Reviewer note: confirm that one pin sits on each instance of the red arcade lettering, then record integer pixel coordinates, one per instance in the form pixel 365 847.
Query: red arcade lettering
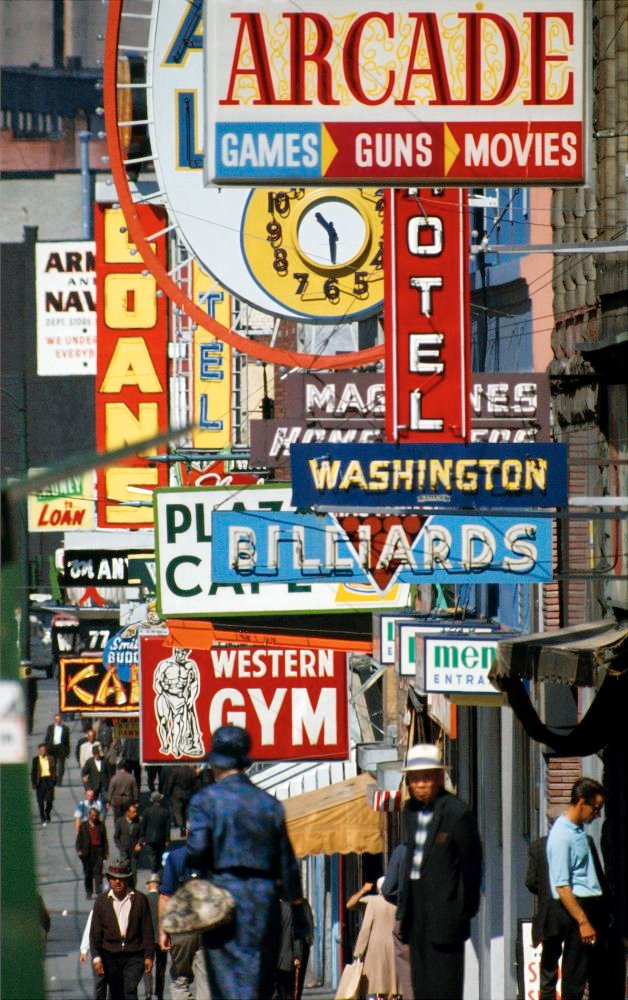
pixel 312 79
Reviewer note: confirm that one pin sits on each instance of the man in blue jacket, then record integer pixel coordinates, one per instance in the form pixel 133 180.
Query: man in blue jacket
pixel 439 888
pixel 238 835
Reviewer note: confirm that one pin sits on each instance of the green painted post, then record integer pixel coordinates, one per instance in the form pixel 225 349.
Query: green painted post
pixel 21 938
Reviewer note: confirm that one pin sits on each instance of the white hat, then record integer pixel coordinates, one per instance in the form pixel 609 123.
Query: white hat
pixel 423 757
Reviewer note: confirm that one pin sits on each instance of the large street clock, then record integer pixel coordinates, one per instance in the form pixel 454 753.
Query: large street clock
pixel 316 252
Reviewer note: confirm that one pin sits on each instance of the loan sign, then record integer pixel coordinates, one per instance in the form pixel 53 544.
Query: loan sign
pixel 379 550
pixel 184 544
pixel 426 316
pixel 342 91
pixel 293 702
pixel 357 477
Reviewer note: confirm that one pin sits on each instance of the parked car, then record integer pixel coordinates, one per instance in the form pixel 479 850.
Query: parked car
pixel 41 646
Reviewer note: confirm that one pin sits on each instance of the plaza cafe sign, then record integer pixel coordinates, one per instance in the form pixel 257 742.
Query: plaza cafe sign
pixel 428 92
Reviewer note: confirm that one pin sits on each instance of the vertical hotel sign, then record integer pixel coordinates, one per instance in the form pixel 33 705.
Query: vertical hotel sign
pixel 426 316
pixel 212 367
pixel 131 378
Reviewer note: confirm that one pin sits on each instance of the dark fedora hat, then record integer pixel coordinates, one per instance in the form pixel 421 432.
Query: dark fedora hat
pixel 118 870
pixel 230 748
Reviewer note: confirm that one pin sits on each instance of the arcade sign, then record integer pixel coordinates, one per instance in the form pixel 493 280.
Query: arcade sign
pixel 341 92
pixel 292 701
pixel 358 477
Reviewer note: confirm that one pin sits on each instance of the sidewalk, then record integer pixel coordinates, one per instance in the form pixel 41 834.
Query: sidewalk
pixel 60 873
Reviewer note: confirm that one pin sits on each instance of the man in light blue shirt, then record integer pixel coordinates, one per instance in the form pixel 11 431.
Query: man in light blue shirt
pixel 576 880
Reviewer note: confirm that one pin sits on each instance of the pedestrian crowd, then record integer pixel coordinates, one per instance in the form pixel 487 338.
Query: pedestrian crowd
pixel 412 939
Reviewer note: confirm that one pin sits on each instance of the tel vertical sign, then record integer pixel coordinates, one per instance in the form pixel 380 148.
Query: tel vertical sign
pixel 426 316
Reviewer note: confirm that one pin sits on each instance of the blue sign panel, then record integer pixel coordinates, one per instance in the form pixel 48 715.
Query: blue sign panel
pixel 359 477
pixel 268 150
pixel 287 547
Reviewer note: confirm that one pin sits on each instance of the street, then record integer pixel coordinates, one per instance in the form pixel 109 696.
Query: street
pixel 59 871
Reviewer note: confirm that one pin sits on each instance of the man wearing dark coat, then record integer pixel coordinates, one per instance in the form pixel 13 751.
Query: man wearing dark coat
pixel 439 889
pixel 121 938
pixel 94 772
pixel 155 830
pixel 43 780
pixel 238 835
pixel 126 836
pixel 57 740
pixel 122 790
pixel 178 788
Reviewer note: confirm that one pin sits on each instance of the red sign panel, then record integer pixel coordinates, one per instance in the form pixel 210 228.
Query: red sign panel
pixel 292 701
pixel 426 316
pixel 131 366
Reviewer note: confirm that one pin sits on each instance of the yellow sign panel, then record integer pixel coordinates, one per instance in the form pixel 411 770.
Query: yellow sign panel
pixel 67 505
pixel 212 368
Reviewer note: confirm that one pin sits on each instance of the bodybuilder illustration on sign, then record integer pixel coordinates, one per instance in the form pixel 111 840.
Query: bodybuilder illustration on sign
pixel 176 685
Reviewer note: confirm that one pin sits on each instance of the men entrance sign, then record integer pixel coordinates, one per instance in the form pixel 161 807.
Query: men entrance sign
pixel 293 701
pixel 432 92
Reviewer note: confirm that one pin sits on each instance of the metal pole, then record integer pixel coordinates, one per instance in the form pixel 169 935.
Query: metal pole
pixel 86 187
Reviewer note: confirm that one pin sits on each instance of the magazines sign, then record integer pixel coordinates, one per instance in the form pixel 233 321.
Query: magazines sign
pixel 292 701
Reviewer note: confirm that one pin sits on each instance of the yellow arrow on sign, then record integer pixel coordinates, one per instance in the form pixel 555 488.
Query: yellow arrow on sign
pixel 329 150
pixel 451 148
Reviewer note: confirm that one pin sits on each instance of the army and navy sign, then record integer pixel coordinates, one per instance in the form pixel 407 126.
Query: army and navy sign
pixel 358 477
pixel 292 701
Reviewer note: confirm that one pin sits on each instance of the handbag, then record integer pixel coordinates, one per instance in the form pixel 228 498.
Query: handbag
pixel 198 905
pixel 349 985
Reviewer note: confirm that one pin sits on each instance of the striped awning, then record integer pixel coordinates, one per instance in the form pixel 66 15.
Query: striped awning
pixel 382 800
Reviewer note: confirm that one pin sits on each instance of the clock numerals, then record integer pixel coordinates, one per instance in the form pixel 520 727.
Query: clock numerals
pixel 378 259
pixel 274 232
pixel 360 284
pixel 331 290
pixel 302 278
pixel 280 261
pixel 279 201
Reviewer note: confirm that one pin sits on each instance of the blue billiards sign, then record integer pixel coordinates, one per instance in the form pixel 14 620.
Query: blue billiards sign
pixel 359 477
pixel 378 550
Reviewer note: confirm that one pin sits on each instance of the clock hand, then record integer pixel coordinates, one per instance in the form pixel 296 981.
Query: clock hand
pixel 330 229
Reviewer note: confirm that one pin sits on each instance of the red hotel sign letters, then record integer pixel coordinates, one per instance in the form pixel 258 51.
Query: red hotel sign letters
pixel 292 701
pixel 131 367
pixel 426 316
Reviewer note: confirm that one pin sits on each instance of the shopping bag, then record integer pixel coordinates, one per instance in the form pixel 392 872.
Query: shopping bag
pixel 349 985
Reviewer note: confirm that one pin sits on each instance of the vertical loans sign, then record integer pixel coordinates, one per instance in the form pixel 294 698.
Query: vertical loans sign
pixel 131 402
pixel 426 316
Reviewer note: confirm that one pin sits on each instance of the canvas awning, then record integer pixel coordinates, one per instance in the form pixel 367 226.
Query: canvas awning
pixel 335 820
pixel 581 654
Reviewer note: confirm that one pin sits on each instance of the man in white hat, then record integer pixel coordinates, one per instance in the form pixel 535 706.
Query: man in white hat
pixel 440 880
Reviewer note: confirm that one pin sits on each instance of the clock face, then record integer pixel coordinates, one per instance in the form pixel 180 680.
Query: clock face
pixel 315 252
pixel 331 233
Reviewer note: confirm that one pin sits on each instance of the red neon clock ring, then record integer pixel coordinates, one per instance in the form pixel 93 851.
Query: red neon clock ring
pixel 263 352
